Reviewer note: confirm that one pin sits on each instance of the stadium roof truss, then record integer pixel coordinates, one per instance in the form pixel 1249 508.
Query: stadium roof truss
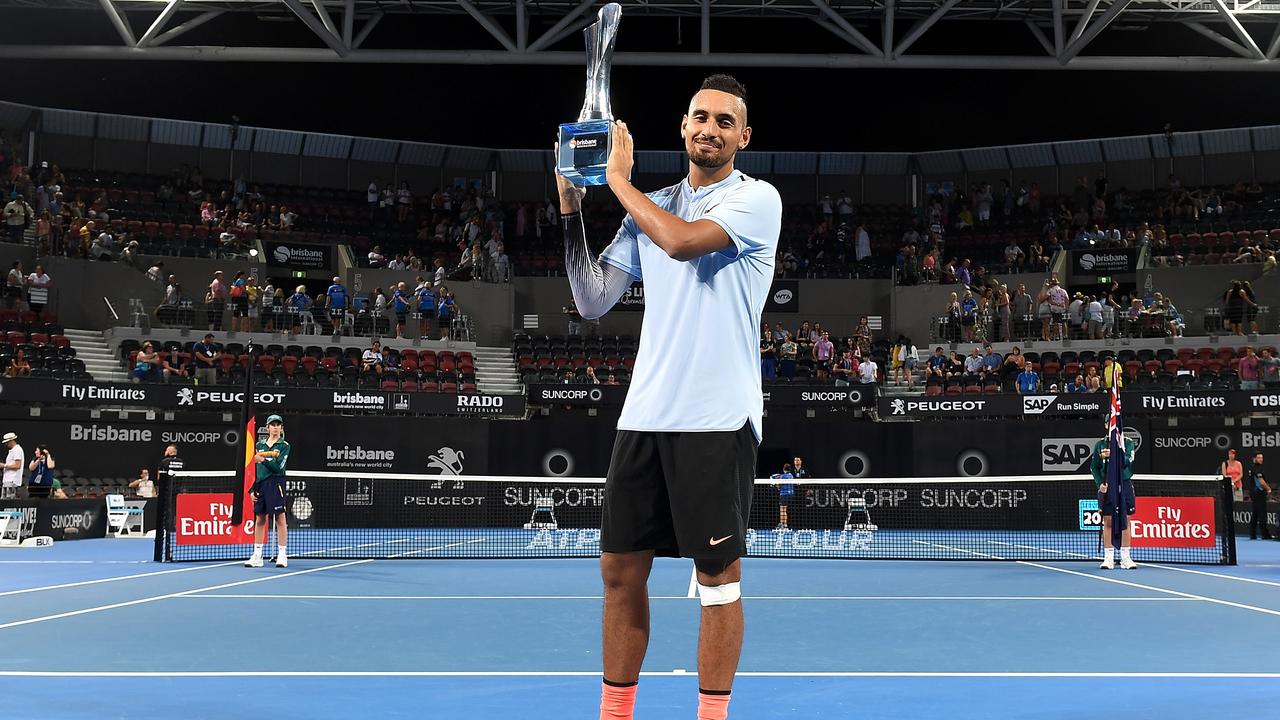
pixel 1247 31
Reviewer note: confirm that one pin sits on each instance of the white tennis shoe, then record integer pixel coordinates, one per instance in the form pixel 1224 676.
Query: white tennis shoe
pixel 1108 564
pixel 1128 563
pixel 255 561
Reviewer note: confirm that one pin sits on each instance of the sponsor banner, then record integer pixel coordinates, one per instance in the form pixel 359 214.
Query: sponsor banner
pixel 1104 261
pixel 1242 513
pixel 784 296
pixel 632 300
pixel 188 397
pixel 1066 455
pixel 120 449
pixel 373 444
pixel 792 395
pixel 1163 521
pixel 1144 402
pixel 205 519
pixel 856 395
pixel 74 519
pixel 299 255
pixel 947 406
pixel 569 394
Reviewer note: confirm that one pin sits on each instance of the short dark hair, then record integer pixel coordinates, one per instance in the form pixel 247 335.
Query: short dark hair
pixel 728 84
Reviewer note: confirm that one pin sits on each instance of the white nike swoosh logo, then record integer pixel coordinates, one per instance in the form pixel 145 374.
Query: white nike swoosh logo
pixel 717 541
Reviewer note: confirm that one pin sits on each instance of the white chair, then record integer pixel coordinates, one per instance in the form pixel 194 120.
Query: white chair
pixel 124 519
pixel 10 528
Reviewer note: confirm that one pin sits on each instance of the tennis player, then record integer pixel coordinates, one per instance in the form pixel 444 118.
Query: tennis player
pixel 1098 466
pixel 271 455
pixel 680 478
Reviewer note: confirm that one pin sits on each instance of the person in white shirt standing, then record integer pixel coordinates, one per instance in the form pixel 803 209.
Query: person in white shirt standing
pixel 683 465
pixel 14 463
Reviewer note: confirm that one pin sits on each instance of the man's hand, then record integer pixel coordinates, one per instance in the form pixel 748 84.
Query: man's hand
pixel 1105 454
pixel 621 153
pixel 570 195
pixel 1102 488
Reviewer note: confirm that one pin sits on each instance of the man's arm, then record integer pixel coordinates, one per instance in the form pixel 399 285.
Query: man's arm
pixel 276 465
pixel 597 286
pixel 682 240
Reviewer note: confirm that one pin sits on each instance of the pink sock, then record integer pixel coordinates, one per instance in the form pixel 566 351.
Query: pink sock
pixel 617 702
pixel 713 705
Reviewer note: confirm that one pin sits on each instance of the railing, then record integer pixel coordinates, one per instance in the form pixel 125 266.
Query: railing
pixel 1032 327
pixel 220 316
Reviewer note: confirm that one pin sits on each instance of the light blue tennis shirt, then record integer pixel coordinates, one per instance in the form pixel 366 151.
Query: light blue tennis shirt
pixel 698 365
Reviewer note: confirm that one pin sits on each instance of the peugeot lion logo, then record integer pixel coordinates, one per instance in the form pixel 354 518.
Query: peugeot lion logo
pixel 186 397
pixel 899 406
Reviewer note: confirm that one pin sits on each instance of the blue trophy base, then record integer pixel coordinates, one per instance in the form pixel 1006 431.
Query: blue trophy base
pixel 584 151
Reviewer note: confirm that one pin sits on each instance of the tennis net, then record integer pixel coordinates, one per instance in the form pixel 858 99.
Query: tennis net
pixel 1179 519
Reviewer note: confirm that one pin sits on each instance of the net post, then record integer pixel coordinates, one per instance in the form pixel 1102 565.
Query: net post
pixel 162 516
pixel 1228 518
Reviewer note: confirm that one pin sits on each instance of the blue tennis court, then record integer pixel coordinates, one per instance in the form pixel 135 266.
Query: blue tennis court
pixel 91 629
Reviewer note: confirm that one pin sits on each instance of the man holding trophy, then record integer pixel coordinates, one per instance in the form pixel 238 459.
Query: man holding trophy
pixel 683 464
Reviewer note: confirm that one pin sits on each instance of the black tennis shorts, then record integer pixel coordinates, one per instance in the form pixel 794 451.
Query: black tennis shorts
pixel 1126 494
pixel 680 494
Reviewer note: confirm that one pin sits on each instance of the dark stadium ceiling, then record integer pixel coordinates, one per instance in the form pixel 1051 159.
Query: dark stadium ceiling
pixel 1034 35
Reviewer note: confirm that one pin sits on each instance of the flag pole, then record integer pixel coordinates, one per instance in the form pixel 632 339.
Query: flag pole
pixel 248 437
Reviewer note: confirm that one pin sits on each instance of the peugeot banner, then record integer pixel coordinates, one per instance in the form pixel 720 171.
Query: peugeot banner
pixel 195 397
pixel 299 255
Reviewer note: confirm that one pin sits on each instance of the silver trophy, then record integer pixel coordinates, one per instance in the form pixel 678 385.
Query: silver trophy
pixel 584 145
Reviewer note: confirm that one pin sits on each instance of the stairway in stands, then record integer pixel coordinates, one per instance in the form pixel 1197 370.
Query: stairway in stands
pixel 99 359
pixel 496 372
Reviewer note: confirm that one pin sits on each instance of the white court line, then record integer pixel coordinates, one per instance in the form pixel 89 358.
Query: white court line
pixel 1178 593
pixel 1033 547
pixel 183 593
pixel 871 598
pixel 1213 574
pixel 118 577
pixel 158 572
pixel 75 562
pixel 693 583
pixel 1149 564
pixel 596 673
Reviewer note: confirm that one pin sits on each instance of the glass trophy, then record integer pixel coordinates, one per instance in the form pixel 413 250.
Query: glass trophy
pixel 583 149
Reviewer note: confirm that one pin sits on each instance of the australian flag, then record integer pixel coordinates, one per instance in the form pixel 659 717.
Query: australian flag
pixel 1116 463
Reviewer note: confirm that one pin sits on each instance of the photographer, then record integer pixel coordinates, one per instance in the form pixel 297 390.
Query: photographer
pixel 40 483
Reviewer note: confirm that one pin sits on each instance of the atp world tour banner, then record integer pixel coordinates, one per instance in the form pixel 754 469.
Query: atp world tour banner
pixel 219 397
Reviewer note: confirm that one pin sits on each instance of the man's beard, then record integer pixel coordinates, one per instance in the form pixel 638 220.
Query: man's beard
pixel 710 161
